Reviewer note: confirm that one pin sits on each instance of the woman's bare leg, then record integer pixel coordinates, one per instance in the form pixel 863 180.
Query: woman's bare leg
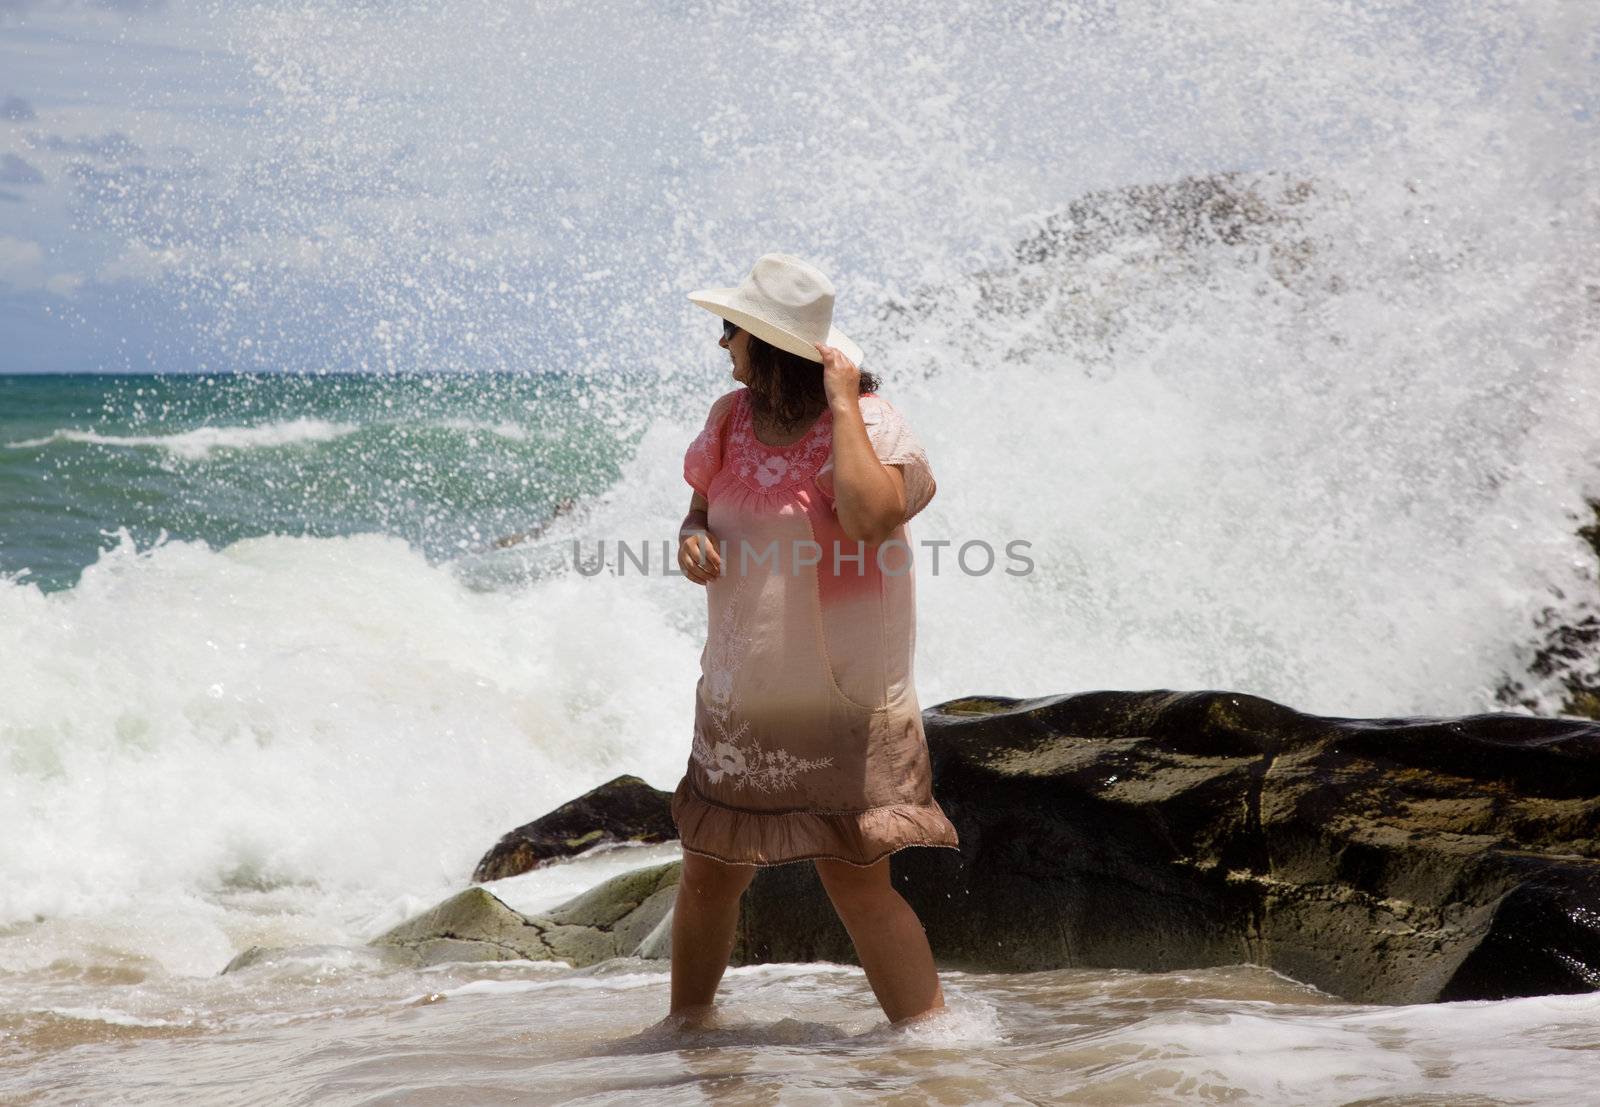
pixel 888 937
pixel 703 921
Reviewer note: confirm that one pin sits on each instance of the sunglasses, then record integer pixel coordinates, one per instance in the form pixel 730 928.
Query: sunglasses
pixel 729 329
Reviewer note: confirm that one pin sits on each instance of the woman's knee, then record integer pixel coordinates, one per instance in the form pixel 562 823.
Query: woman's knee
pixel 847 883
pixel 707 878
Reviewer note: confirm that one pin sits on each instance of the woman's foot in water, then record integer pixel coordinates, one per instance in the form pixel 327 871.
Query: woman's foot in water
pixel 698 1017
pixel 912 1020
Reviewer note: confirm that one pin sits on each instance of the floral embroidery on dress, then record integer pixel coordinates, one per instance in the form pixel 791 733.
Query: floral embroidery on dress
pixel 725 755
pixel 770 471
pixel 768 468
pixel 703 449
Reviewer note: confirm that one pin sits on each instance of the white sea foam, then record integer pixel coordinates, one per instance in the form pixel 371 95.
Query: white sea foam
pixel 332 717
pixel 201 442
pixel 111 1016
pixel 503 429
pixel 1286 1053
pixel 562 979
pixel 555 882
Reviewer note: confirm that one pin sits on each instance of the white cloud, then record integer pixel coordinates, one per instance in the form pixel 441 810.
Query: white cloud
pixel 140 262
pixel 231 261
pixel 64 284
pixel 19 259
pixel 23 269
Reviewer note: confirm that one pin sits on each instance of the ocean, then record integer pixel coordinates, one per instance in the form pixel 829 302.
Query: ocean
pixel 447 463
pixel 1273 334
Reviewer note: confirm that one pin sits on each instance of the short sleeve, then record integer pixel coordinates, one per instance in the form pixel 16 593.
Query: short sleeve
pixel 703 459
pixel 895 444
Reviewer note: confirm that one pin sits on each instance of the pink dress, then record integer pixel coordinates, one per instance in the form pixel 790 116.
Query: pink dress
pixel 808 739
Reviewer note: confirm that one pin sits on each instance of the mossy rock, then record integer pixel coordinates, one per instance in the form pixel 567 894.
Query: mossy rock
pixel 609 920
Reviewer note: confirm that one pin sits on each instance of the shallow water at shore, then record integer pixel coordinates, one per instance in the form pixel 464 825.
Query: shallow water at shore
pixel 330 1023
pixel 525 1033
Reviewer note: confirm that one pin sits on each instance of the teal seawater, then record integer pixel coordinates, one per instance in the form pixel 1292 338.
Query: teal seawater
pixel 447 462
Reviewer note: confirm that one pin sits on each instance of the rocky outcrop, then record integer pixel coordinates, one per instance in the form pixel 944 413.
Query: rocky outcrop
pixel 1384 860
pixel 624 809
pixel 1397 860
pixel 626 916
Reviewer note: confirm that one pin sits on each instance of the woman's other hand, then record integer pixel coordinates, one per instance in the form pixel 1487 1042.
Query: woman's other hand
pixel 698 556
pixel 695 549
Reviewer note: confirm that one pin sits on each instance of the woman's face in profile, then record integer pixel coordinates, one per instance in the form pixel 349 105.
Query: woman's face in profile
pixel 738 349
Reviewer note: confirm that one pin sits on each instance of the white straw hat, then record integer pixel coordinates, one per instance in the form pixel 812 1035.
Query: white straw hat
pixel 785 301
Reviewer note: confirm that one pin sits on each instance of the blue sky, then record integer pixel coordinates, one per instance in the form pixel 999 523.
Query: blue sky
pixel 99 103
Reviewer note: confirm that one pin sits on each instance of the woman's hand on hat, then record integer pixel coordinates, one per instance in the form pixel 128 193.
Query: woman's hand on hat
pixel 841 380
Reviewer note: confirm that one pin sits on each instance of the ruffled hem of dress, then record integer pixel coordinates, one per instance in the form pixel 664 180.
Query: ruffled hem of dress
pixel 863 838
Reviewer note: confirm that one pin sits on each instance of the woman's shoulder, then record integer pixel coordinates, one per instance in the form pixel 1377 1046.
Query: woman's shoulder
pixel 876 409
pixel 721 406
pixel 703 458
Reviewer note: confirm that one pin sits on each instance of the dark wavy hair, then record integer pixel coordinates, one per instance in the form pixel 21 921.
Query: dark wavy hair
pixel 785 388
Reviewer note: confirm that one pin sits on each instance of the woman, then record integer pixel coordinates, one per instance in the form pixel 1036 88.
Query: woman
pixel 808 741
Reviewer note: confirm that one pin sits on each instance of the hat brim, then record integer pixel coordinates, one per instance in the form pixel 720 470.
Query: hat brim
pixel 716 301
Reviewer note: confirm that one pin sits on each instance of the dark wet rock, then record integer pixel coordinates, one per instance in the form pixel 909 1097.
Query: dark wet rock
pixel 1383 860
pixel 625 809
pixel 613 919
